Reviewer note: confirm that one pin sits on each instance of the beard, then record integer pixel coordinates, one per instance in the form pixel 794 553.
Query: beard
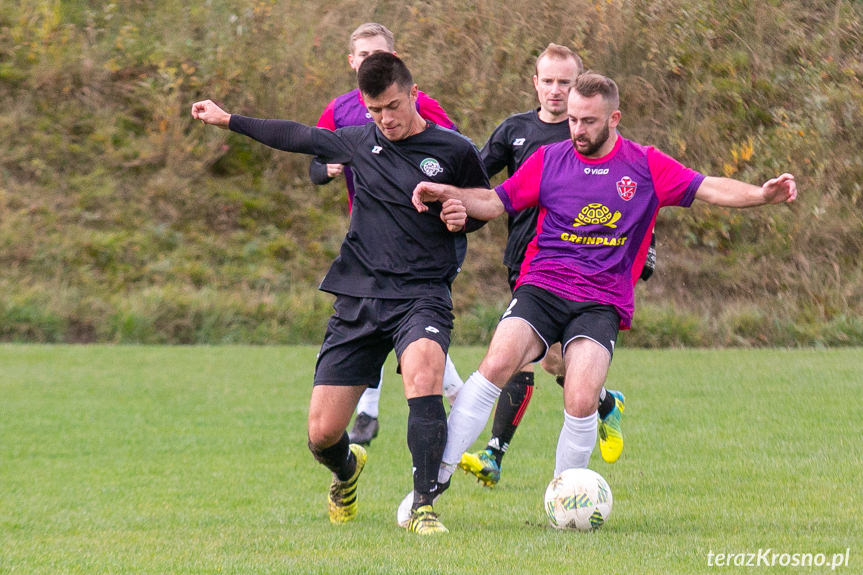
pixel 592 146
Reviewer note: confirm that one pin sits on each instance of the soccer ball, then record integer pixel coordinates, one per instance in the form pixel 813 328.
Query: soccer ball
pixel 578 499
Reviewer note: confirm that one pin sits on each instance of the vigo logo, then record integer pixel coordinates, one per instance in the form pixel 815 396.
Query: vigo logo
pixel 431 167
pixel 593 214
pixel 626 188
pixel 596 171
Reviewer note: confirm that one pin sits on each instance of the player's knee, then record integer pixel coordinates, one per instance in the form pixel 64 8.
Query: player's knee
pixel 421 383
pixel 553 366
pixel 582 403
pixel 498 368
pixel 322 435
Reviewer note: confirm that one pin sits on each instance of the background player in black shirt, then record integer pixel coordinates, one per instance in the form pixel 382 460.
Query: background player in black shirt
pixel 391 278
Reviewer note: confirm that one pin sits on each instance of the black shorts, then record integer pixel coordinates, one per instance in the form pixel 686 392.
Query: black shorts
pixel 363 331
pixel 554 318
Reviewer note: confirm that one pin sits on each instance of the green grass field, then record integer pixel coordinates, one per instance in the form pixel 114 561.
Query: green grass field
pixel 194 460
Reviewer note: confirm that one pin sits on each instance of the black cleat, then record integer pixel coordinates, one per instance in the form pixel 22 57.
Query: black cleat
pixel 650 262
pixel 364 430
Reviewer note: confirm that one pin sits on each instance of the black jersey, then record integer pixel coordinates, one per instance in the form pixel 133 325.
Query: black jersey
pixel 511 143
pixel 390 251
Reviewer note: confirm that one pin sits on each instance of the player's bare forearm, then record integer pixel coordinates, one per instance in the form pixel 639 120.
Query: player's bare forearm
pixel 736 194
pixel 479 203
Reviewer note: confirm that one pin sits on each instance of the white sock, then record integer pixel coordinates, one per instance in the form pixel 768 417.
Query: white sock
pixel 575 443
pixel 467 418
pixel 370 398
pixel 452 382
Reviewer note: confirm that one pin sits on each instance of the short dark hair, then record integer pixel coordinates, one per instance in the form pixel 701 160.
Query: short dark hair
pixel 590 84
pixel 381 70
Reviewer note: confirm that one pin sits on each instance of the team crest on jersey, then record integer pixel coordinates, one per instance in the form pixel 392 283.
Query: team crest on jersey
pixel 431 167
pixel 626 188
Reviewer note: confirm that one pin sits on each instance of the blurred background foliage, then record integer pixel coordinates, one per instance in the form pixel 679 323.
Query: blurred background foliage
pixel 122 220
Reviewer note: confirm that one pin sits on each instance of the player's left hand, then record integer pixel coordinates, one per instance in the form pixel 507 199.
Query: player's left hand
pixel 427 192
pixel 209 113
pixel 454 215
pixel 780 189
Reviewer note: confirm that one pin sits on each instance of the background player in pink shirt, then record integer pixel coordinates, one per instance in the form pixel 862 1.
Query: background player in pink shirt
pixel 349 109
pixel 598 197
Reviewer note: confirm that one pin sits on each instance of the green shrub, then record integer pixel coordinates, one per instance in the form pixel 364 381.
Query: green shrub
pixel 123 220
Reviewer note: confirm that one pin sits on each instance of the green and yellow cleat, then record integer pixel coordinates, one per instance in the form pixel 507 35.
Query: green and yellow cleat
pixel 424 521
pixel 481 465
pixel 343 494
pixel 610 432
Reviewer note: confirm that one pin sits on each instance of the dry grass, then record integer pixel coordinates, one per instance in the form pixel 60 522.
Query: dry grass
pixel 108 190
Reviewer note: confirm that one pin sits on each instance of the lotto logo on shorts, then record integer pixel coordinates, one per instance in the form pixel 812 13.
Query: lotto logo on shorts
pixel 432 329
pixel 509 309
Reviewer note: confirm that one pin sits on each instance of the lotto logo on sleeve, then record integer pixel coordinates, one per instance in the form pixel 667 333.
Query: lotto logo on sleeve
pixel 431 167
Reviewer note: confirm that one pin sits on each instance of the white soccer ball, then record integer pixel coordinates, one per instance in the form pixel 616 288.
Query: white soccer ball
pixel 578 499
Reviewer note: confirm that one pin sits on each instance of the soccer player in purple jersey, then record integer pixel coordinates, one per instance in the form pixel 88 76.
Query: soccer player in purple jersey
pixel 509 146
pixel 598 197
pixel 392 276
pixel 349 109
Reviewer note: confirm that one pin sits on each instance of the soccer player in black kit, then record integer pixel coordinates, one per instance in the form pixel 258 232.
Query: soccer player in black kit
pixel 391 278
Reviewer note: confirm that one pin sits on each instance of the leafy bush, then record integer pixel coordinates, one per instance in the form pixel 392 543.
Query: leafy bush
pixel 123 220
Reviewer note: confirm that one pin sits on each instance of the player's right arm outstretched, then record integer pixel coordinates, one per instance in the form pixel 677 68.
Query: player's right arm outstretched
pixel 282 135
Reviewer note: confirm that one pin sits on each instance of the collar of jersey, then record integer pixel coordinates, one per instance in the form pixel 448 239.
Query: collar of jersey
pixel 604 158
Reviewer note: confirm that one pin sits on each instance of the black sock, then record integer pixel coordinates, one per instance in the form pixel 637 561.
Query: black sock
pixel 514 398
pixel 426 441
pixel 606 405
pixel 338 457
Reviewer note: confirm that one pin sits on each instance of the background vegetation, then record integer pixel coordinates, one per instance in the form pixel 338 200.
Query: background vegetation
pixel 121 220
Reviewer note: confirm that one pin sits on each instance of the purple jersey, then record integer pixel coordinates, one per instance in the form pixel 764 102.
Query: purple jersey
pixel 596 216
pixel 349 109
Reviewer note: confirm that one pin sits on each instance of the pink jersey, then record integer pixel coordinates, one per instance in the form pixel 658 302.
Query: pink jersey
pixel 596 216
pixel 349 109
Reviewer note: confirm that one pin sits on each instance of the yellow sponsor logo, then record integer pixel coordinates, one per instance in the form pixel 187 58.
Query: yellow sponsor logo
pixel 592 240
pixel 593 214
